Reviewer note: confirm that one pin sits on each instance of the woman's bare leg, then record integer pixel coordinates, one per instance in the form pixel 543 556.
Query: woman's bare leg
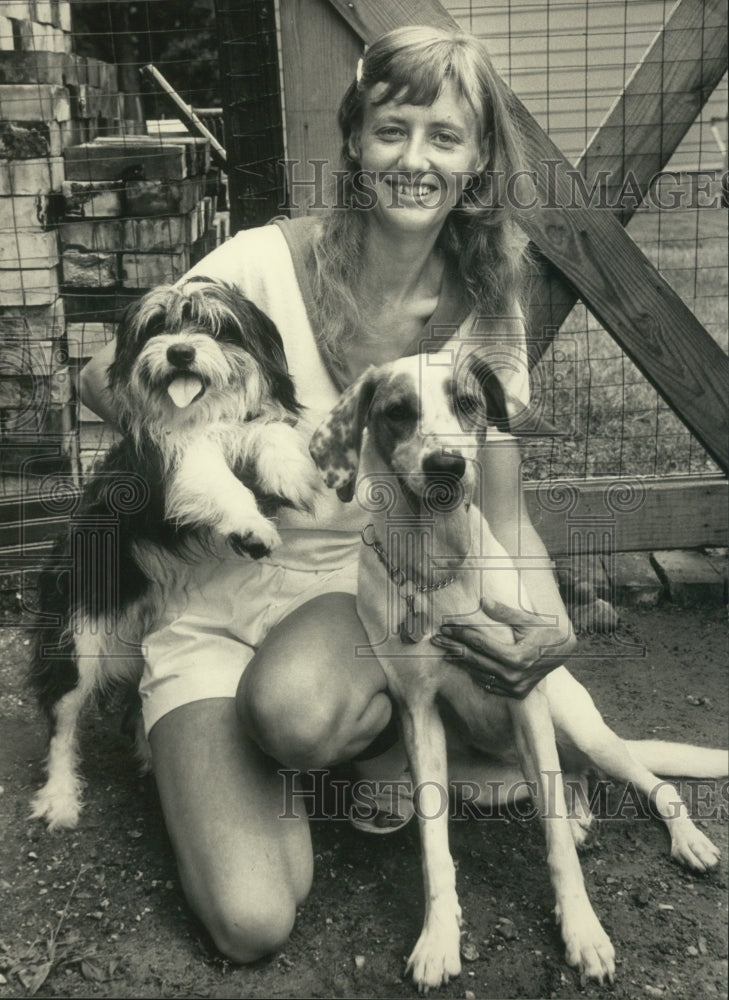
pixel 242 869
pixel 305 700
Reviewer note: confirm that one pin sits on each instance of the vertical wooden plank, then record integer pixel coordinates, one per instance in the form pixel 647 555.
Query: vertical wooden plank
pixel 319 56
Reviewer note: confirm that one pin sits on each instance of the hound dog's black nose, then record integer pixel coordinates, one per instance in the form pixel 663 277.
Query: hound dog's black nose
pixel 438 464
pixel 181 355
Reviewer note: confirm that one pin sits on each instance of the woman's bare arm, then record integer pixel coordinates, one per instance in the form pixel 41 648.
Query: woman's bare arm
pixel 94 387
pixel 543 639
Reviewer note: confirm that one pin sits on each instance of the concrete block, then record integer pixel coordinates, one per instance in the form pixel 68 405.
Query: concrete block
pixel 22 356
pixel 31 140
pixel 31 177
pixel 46 322
pixel 106 235
pixel 28 249
pixel 7 37
pixel 37 287
pixel 149 198
pixel 634 582
pixel 93 199
pixel 46 12
pixel 166 233
pixel 145 270
pixel 85 339
pixel 26 213
pixel 688 577
pixel 34 67
pixel 23 10
pixel 31 102
pixel 89 270
pixel 64 15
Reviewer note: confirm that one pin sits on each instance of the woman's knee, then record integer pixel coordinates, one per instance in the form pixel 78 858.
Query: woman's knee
pixel 306 697
pixel 244 932
pixel 297 722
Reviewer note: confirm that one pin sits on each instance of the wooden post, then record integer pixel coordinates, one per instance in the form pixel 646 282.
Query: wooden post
pixel 319 57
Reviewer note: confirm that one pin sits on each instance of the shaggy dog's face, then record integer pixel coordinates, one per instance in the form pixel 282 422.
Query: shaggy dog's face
pixel 182 351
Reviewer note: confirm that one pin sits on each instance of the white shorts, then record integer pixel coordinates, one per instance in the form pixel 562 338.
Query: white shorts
pixel 214 625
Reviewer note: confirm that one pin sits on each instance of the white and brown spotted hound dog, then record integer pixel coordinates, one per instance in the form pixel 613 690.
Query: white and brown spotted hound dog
pixel 405 439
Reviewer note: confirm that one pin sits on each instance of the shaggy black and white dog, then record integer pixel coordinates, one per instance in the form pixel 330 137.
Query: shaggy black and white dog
pixel 210 452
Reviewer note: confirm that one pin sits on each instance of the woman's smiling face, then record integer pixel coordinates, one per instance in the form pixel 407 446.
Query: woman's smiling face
pixel 419 156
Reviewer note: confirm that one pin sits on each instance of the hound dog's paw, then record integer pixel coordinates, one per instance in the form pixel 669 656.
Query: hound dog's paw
pixel 691 848
pixel 587 945
pixel 437 955
pixel 584 829
pixel 60 807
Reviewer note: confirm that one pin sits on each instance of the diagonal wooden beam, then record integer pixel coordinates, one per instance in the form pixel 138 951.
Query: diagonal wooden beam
pixel 592 251
pixel 660 102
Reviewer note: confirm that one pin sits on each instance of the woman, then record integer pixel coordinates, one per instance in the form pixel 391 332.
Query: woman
pixel 255 667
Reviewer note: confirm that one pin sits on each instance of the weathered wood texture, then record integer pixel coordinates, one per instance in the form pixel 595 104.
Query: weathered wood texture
pixel 320 53
pixel 590 248
pixel 685 512
pixel 102 160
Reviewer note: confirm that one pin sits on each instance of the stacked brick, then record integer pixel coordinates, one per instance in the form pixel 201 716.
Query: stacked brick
pixel 50 99
pixel 136 216
pixel 90 217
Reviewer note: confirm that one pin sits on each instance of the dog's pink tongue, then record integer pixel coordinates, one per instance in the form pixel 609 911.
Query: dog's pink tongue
pixel 184 388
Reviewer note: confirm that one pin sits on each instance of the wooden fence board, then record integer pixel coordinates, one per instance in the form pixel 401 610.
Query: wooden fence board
pixel 312 87
pixel 680 512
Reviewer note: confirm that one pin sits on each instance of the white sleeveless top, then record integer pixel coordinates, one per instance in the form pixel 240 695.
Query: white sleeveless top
pixel 259 263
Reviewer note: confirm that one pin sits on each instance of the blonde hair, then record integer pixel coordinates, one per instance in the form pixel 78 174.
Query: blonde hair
pixel 479 237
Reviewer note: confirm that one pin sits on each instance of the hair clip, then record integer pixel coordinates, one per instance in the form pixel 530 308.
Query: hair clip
pixel 358 73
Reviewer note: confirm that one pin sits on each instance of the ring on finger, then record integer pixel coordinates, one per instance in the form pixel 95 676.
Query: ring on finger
pixel 489 682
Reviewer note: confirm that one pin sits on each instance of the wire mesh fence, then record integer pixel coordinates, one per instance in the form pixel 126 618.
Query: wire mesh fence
pixel 568 62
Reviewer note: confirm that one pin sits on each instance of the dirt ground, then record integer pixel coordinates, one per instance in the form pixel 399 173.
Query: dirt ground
pixel 98 912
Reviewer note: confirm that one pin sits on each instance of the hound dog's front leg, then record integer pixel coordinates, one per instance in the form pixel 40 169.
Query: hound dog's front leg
pixel 204 492
pixel 437 954
pixel 587 945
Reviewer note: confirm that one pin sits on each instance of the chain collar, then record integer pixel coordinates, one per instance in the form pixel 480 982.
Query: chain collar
pixel 397 575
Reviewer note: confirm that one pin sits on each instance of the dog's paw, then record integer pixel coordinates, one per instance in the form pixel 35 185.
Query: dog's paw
pixel 584 828
pixel 256 540
pixel 691 848
pixel 587 945
pixel 437 955
pixel 60 808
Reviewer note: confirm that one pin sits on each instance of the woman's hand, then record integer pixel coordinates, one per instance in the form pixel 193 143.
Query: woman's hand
pixel 501 668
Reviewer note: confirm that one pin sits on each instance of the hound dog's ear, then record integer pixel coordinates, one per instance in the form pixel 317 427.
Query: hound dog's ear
pixel 507 411
pixel 336 443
